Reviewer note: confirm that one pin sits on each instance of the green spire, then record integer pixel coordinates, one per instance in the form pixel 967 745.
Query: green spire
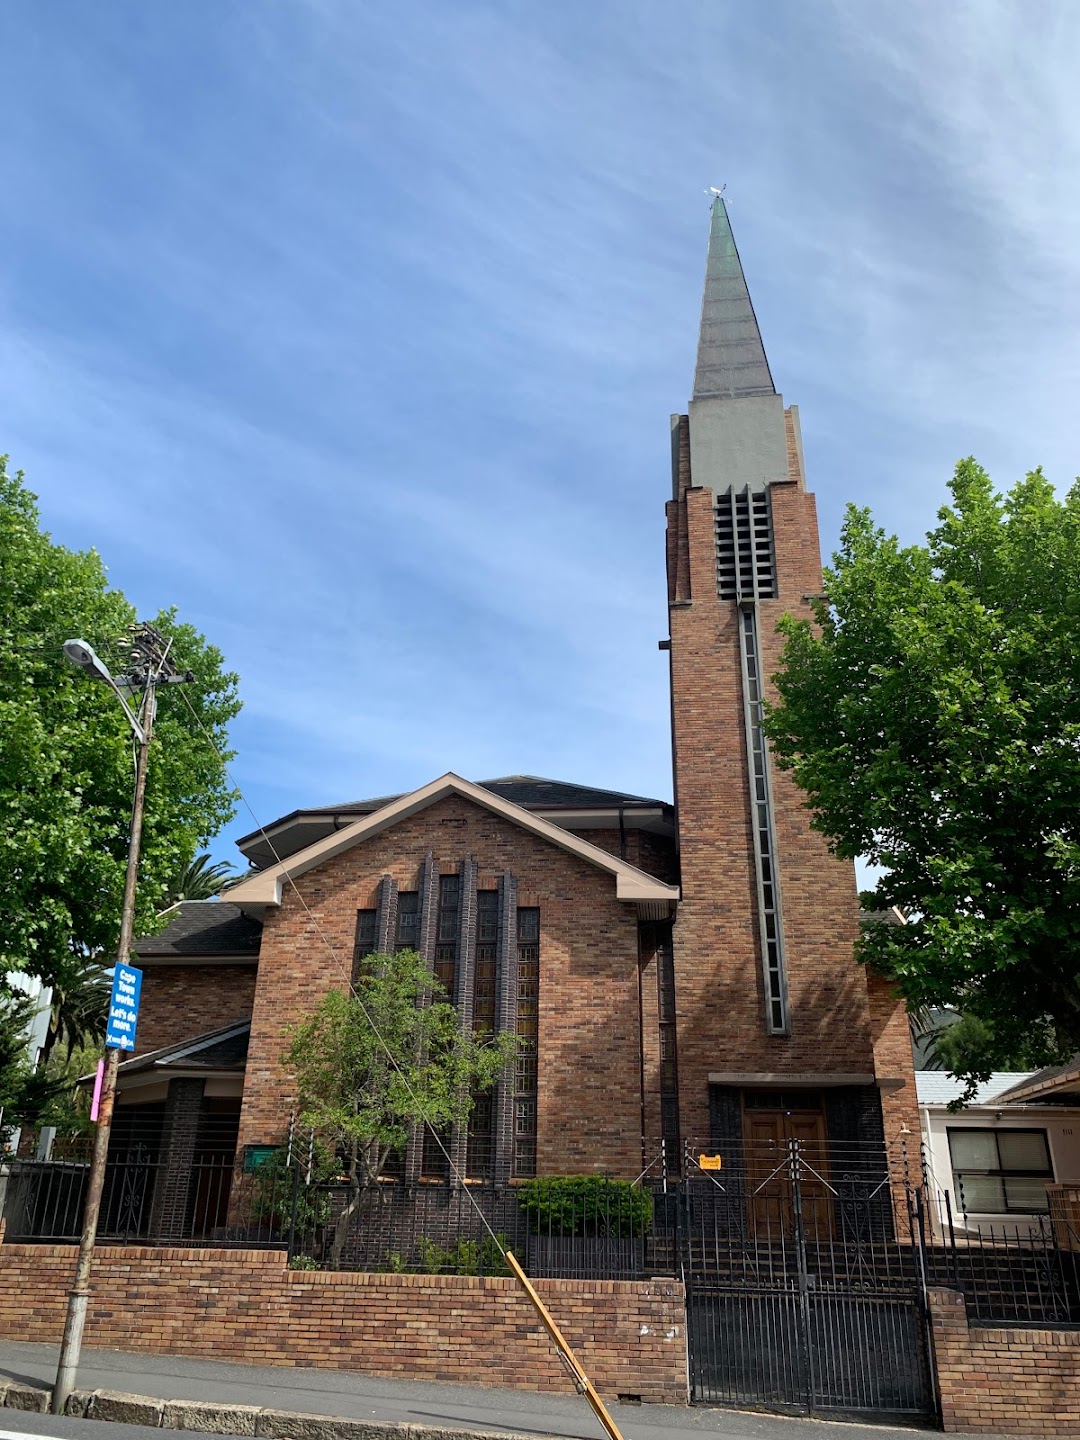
pixel 731 358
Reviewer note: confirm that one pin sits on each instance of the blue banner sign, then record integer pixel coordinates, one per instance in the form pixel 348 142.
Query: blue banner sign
pixel 124 1008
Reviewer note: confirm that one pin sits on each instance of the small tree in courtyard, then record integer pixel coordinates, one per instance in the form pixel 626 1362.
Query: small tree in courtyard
pixel 371 1065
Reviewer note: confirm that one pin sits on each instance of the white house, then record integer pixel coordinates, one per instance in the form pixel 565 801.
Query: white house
pixel 999 1164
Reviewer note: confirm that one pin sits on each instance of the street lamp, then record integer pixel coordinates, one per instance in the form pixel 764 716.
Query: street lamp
pixel 150 666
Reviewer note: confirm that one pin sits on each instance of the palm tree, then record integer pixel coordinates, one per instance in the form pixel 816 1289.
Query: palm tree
pixel 79 1010
pixel 200 880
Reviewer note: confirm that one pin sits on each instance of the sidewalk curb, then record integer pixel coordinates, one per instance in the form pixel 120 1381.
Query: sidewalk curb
pixel 207 1417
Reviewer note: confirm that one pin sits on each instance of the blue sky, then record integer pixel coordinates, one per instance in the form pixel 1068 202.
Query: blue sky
pixel 353 329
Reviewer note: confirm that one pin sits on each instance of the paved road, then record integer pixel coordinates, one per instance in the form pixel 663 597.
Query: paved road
pixel 346 1392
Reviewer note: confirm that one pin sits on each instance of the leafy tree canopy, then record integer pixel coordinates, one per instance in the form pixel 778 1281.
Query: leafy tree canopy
pixel 370 1065
pixel 931 714
pixel 66 764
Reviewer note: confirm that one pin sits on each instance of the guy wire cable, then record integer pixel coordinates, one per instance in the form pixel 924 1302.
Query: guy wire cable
pixel 581 1381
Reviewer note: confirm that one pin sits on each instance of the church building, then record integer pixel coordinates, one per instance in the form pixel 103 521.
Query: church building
pixel 679 974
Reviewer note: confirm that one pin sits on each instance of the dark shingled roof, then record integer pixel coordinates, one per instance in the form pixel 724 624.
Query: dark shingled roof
pixel 1053 1080
pixel 223 1049
pixel 204 927
pixel 530 791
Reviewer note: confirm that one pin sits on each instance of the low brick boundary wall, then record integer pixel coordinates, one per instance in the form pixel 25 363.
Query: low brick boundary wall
pixel 247 1305
pixel 1010 1381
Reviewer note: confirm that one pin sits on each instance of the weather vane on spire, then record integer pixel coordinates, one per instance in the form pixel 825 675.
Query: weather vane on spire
pixel 717 194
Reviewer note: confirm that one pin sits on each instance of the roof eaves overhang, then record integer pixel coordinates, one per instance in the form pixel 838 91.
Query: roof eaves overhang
pixel 632 885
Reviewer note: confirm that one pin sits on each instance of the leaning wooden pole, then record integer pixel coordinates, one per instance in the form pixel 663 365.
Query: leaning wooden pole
pixel 581 1381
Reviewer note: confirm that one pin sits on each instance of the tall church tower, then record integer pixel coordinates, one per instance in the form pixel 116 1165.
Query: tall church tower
pixel 776 1026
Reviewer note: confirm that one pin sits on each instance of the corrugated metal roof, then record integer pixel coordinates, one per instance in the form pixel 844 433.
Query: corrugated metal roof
pixel 937 1088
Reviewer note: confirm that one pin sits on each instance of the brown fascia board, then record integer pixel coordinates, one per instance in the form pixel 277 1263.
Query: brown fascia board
pixel 1065 1078
pixel 631 884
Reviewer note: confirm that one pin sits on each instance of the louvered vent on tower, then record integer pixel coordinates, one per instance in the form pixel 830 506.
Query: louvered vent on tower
pixel 744 545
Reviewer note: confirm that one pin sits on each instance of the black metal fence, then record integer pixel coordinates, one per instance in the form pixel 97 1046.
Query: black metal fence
pixel 803 1265
pixel 199 1192
pixel 853 1217
pixel 1011 1272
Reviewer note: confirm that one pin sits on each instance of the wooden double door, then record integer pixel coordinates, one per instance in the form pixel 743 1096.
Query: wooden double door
pixel 787 1181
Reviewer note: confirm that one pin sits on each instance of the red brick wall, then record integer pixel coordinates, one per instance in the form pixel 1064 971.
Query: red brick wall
pixel 719 987
pixel 1008 1382
pixel 181 1001
pixel 245 1305
pixel 893 1060
pixel 655 854
pixel 589 1093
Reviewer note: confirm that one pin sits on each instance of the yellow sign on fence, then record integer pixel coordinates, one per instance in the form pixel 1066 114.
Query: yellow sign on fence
pixel 711 1162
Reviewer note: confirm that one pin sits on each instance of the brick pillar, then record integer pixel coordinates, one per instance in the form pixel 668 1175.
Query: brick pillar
pixel 951 1356
pixel 386 916
pixel 175 1175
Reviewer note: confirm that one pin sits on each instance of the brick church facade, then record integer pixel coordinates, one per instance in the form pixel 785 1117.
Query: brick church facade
pixel 678 974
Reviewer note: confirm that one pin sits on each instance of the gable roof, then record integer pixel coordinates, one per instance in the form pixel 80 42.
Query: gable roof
pixel 203 927
pixel 578 806
pixel 225 1048
pixel 530 791
pixel 1054 1080
pixel 653 897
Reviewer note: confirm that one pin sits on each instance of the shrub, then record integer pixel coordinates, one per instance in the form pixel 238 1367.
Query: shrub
pixel 464 1256
pixel 568 1205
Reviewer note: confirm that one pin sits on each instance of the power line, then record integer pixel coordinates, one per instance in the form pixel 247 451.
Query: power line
pixel 564 1352
pixel 347 977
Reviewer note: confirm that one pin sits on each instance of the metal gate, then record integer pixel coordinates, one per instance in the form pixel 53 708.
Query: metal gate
pixel 805 1281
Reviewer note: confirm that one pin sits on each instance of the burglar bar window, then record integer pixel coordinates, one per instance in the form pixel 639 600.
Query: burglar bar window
pixel 1000 1172
pixel 408 920
pixel 446 943
pixel 366 937
pixel 528 944
pixel 487 954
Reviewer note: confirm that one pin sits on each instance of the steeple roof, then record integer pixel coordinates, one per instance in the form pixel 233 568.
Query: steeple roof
pixel 731 357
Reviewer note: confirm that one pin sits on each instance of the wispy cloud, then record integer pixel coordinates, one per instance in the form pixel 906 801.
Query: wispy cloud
pixel 353 331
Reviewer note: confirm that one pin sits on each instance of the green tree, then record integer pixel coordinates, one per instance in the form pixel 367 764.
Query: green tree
pixel 66 770
pixel 371 1065
pixel 970 1046
pixel 200 879
pixel 79 1010
pixel 931 714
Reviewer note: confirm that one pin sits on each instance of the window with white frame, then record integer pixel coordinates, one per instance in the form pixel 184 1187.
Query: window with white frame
pixel 1000 1172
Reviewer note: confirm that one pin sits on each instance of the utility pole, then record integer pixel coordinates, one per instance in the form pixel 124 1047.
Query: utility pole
pixel 149 667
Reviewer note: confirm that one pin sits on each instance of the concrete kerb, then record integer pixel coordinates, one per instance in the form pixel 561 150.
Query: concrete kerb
pixel 204 1416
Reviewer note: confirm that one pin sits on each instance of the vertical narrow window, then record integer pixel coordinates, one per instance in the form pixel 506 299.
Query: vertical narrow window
pixel 669 1071
pixel 366 941
pixel 480 1152
pixel 449 923
pixel 408 920
pixel 769 918
pixel 435 1162
pixel 528 946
